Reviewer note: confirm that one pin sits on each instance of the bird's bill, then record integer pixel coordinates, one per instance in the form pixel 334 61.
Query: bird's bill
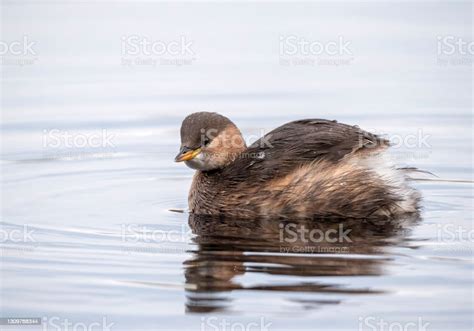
pixel 186 154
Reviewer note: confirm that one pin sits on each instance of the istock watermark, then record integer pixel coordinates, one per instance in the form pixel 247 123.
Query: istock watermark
pixel 450 233
pixel 298 238
pixel 142 233
pixel 24 235
pixel 413 145
pixel 417 138
pixel 52 323
pixel 298 233
pixel 143 51
pixel 75 145
pixel 379 324
pixel 223 324
pixel 300 51
pixel 56 138
pixel 226 140
pixel 454 51
pixel 18 52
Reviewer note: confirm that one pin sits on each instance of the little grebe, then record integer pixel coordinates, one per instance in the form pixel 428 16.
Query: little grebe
pixel 304 169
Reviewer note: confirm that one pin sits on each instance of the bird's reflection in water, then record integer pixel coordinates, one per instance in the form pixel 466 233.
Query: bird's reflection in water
pixel 226 248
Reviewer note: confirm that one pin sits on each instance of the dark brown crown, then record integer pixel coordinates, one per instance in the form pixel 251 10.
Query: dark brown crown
pixel 201 127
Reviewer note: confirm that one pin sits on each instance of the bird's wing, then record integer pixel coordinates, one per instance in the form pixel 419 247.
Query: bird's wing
pixel 296 143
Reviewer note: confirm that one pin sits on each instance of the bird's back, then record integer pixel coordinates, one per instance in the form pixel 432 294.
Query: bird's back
pixel 305 169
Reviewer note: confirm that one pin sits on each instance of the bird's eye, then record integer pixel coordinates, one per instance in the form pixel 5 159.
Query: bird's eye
pixel 206 141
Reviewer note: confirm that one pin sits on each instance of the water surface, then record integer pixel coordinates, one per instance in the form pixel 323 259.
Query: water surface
pixel 88 232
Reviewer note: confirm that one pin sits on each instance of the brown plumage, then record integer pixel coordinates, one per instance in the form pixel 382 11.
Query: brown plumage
pixel 304 169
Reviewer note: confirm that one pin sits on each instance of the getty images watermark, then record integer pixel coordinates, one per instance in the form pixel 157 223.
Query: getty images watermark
pixel 299 51
pixel 454 51
pixel 144 51
pixel 20 52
